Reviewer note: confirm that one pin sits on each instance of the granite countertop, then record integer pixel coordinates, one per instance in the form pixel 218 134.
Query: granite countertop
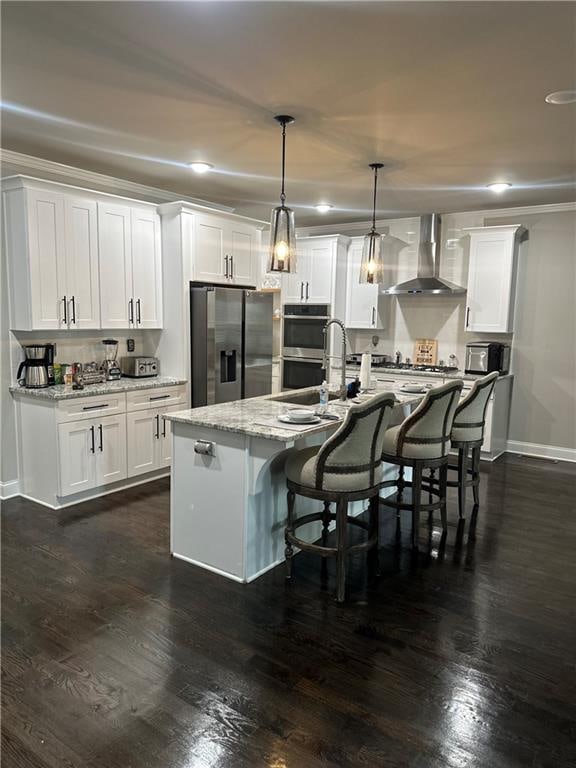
pixel 59 392
pixel 257 416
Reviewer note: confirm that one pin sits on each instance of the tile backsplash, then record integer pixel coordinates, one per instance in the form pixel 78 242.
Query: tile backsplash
pixel 83 346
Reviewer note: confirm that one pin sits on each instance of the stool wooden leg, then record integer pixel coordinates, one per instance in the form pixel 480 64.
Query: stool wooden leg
pixel 416 503
pixel 341 538
pixel 325 522
pixel 476 474
pixel 400 487
pixel 443 495
pixel 288 552
pixel 462 481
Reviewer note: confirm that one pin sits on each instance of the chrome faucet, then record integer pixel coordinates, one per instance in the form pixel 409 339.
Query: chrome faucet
pixel 325 355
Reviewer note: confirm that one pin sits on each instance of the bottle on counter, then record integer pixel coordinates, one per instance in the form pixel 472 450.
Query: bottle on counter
pixel 323 396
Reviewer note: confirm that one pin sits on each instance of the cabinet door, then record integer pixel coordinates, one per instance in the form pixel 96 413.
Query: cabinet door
pixel 46 234
pixel 114 251
pixel 294 283
pixel 82 274
pixel 362 300
pixel 318 270
pixel 209 243
pixel 111 449
pixel 76 455
pixel 490 287
pixel 141 430
pixel 165 441
pixel 242 250
pixel 146 269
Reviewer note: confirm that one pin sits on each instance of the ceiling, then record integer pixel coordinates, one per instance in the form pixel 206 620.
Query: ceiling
pixel 450 96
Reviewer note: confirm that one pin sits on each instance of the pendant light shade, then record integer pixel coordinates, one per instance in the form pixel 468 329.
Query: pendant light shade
pixel 282 233
pixel 372 264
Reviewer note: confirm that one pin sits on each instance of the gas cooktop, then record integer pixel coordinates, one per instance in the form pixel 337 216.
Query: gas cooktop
pixel 379 361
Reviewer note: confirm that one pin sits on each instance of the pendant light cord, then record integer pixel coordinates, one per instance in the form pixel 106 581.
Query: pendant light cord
pixel 282 193
pixel 374 202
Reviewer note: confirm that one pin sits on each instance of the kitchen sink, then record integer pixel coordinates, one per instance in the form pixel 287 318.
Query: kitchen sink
pixel 303 398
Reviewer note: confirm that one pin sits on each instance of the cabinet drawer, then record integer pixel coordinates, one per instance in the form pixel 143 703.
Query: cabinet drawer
pixel 89 407
pixel 162 397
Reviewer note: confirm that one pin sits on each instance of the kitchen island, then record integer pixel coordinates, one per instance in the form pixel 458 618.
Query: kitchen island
pixel 228 493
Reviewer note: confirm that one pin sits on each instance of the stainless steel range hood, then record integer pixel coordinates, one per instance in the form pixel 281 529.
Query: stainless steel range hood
pixel 427 279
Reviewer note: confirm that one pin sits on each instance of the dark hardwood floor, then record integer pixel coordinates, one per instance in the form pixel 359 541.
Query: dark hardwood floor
pixel 116 656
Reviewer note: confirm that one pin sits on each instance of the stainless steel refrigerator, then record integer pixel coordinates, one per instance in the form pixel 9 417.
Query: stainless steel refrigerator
pixel 231 343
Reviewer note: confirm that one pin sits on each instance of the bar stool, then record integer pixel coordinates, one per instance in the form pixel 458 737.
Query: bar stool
pixel 422 442
pixel 347 467
pixel 468 434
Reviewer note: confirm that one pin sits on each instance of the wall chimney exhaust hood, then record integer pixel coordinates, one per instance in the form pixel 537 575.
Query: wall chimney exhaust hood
pixel 427 279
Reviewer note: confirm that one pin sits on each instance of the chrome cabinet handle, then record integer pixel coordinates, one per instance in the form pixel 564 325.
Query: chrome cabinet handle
pixel 373 316
pixel 226 267
pixel 163 427
pixel 101 437
pixel 73 302
pixel 93 445
pixel 157 418
pixel 307 294
pixel 138 317
pixel 65 300
pixel 158 397
pixel 95 407
pixel 131 311
pixel 301 291
pixel 467 316
pixel 232 267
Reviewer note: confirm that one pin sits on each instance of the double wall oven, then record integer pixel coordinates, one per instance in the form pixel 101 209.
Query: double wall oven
pixel 303 344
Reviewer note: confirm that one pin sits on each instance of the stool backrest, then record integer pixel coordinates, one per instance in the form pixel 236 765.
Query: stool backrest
pixel 356 447
pixel 471 411
pixel 431 421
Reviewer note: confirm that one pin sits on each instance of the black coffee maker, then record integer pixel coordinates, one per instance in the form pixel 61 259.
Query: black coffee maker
pixel 35 366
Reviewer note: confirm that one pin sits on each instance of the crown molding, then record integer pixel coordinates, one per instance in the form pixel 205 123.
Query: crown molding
pixel 361 227
pixel 38 167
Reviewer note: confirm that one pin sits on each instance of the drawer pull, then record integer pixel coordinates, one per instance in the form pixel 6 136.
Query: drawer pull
pixel 159 397
pixel 95 407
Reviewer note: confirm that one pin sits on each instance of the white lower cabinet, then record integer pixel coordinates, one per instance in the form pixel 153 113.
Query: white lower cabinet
pixel 149 440
pixel 92 453
pixel 73 449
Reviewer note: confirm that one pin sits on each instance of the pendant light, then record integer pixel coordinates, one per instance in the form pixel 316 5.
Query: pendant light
pixel 372 266
pixel 282 233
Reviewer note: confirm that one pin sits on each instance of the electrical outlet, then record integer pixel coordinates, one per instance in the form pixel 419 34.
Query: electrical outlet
pixel 130 345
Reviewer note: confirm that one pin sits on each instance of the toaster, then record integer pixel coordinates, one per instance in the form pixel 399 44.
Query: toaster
pixel 139 367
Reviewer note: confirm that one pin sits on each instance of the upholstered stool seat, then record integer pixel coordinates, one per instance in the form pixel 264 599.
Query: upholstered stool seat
pixel 422 442
pixel 347 467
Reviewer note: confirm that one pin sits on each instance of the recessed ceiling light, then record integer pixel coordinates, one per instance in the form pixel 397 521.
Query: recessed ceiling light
pixel 323 207
pixel 561 97
pixel 499 186
pixel 200 167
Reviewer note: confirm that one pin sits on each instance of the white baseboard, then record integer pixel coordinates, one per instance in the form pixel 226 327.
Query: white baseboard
pixel 541 451
pixel 9 489
pixel 210 568
pixel 89 495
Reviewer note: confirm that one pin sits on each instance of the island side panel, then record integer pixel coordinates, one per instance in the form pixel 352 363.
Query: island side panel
pixel 208 500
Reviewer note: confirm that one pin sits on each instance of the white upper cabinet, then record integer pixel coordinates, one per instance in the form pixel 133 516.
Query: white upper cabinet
pixel 52 250
pixel 116 303
pixel 364 303
pixel 82 273
pixel 224 252
pixel 492 278
pixel 313 281
pixel 78 262
pixel 46 261
pixel 146 269
pixel 130 267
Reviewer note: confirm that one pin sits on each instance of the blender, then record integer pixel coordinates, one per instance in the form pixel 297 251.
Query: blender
pixel 110 366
